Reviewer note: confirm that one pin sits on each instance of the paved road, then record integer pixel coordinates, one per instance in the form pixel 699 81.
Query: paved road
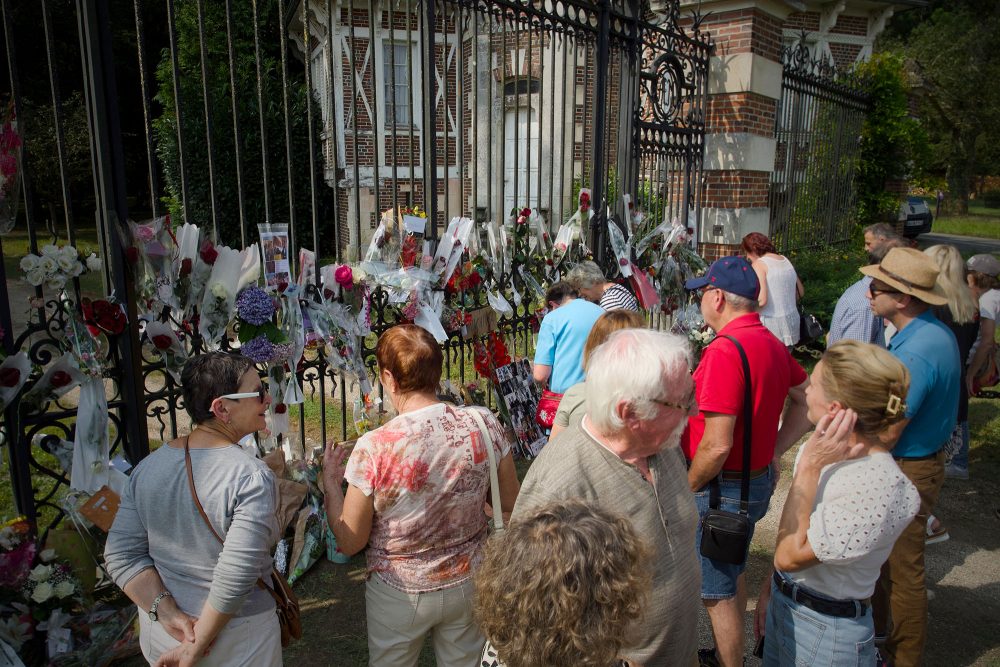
pixel 970 244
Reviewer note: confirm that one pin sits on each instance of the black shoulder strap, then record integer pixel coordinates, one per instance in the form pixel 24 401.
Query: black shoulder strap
pixel 714 492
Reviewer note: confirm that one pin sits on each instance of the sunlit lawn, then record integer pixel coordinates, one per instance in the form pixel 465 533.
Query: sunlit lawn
pixel 981 221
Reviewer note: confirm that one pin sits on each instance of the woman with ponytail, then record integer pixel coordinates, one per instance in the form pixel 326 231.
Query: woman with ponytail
pixel 847 505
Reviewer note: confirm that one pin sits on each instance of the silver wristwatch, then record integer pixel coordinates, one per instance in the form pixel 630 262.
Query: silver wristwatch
pixel 156 603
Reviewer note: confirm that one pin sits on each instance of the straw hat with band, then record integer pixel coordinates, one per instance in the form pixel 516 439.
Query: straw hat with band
pixel 911 272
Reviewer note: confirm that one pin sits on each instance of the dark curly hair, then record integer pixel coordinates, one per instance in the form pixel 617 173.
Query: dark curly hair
pixel 208 376
pixel 563 586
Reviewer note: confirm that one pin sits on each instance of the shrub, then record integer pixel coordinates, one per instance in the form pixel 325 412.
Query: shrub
pixel 826 273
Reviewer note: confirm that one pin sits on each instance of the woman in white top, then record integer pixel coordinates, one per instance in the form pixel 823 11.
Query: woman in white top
pixel 847 505
pixel 780 287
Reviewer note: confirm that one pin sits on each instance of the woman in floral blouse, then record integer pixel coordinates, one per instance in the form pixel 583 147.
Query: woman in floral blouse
pixel 417 489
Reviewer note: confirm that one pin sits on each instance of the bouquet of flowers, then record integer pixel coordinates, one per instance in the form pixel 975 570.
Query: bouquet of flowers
pixel 152 252
pixel 260 338
pixel 689 322
pixel 54 266
pixel 171 350
pixel 10 169
pixel 414 226
pixel 528 255
pixel 569 240
pixel 231 270
pixel 14 372
pixel 490 355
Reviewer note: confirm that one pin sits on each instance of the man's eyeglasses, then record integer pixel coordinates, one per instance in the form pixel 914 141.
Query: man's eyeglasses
pixel 261 394
pixel 685 407
pixel 875 291
pixel 705 290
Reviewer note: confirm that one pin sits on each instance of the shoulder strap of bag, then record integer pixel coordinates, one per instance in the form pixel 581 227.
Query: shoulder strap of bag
pixel 714 491
pixel 494 480
pixel 201 510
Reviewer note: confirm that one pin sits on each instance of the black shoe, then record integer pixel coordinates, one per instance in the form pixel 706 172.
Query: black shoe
pixel 707 658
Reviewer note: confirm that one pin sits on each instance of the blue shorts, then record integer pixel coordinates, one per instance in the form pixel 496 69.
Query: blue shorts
pixel 718 580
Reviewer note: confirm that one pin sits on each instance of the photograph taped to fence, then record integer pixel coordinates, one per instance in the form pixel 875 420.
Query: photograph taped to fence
pixel 275 251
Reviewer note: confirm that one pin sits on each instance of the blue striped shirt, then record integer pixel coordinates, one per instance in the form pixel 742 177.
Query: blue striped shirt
pixel 853 317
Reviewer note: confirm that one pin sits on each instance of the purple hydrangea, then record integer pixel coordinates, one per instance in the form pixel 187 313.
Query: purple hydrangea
pixel 254 306
pixel 281 352
pixel 259 349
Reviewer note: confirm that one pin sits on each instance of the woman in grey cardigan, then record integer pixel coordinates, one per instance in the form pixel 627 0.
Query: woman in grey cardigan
pixel 193 592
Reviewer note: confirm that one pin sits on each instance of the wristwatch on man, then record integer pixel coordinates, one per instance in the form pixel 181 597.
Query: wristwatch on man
pixel 156 603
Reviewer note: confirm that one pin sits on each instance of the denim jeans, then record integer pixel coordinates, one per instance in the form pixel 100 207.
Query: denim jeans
pixel 797 635
pixel 718 579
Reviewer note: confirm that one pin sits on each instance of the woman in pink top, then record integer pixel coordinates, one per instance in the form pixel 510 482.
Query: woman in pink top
pixel 417 489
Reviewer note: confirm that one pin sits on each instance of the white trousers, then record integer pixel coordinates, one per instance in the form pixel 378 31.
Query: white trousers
pixel 254 641
pixel 398 623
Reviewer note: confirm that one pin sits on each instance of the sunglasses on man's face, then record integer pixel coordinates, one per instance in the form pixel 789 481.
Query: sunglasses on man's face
pixel 261 394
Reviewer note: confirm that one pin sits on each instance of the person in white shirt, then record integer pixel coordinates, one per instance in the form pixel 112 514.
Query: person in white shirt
pixel 847 505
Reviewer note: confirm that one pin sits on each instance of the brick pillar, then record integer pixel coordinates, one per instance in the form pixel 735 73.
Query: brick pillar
pixel 744 87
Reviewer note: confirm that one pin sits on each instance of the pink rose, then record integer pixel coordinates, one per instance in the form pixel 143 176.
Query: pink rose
pixel 344 276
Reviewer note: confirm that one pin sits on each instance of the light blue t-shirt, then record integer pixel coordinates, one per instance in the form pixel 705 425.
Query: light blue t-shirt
pixel 560 342
pixel 928 348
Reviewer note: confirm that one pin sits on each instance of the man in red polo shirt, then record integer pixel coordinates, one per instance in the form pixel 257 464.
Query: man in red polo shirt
pixel 713 441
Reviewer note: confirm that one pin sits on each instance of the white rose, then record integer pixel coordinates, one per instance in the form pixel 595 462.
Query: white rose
pixel 48 264
pixel 50 251
pixel 42 592
pixel 36 276
pixel 94 263
pixel 56 282
pixel 69 252
pixel 47 555
pixel 66 264
pixel 29 262
pixel 64 589
pixel 41 573
pixel 219 291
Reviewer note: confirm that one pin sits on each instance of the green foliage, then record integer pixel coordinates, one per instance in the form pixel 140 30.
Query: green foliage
pixel 254 150
pixel 893 144
pixel 826 273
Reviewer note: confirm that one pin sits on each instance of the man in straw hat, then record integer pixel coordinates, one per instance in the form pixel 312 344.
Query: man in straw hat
pixel 904 286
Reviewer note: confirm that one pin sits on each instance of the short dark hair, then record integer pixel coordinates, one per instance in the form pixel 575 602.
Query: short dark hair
pixel 413 357
pixel 559 291
pixel 208 376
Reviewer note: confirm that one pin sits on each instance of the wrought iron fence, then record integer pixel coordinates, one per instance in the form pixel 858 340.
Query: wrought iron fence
pixel 818 126
pixel 321 114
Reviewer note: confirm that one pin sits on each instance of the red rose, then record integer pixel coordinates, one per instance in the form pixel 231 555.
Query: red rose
pixel 185 267
pixel 280 409
pixel 60 379
pixel 9 377
pixel 109 317
pixel 525 212
pixel 163 342
pixel 282 286
pixel 208 253
pixel 132 255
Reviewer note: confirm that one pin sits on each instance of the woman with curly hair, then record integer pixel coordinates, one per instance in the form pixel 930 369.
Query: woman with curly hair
pixel 562 586
pixel 848 504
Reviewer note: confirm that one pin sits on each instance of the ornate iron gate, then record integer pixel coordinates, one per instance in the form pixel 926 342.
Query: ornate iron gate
pixel 321 114
pixel 818 125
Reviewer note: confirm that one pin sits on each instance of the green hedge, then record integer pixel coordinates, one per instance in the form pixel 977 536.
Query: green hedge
pixel 826 273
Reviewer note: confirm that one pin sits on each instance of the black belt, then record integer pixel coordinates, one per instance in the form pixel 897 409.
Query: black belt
pixel 738 474
pixel 917 458
pixel 838 608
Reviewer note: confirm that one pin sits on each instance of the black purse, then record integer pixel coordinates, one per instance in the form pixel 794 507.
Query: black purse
pixel 809 328
pixel 726 535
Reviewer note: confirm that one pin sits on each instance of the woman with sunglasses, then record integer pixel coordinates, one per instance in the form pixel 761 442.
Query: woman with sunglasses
pixel 195 593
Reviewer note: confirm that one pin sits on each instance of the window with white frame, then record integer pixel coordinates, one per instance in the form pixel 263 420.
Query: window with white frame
pixel 396 83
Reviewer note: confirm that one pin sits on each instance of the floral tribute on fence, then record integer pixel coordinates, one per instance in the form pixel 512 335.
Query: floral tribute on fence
pixel 10 168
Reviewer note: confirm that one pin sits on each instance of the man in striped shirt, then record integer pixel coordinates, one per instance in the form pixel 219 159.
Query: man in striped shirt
pixel 589 281
pixel 853 318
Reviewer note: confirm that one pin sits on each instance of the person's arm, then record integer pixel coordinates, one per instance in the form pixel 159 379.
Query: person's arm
pixel 541 373
pixel 761 270
pixel 509 486
pixel 795 422
pixel 144 588
pixel 209 625
pixel 829 443
pixel 350 517
pixel 800 289
pixel 713 449
pixel 987 331
pixel 763 600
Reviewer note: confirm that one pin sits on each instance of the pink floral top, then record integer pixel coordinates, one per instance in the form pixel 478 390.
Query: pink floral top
pixel 429 473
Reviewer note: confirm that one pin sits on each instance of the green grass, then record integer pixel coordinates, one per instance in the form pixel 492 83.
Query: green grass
pixel 981 221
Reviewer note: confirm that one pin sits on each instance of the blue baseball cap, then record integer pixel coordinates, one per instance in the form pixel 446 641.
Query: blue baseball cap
pixel 730 274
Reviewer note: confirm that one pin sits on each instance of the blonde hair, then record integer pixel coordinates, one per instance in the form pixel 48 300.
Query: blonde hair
pixel 869 380
pixel 607 324
pixel 563 586
pixel 951 278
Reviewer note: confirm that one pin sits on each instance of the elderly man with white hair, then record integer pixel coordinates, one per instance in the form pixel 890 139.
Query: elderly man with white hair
pixel 589 281
pixel 624 456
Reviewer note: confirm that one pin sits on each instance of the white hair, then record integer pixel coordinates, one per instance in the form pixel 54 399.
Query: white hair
pixel 738 302
pixel 585 274
pixel 637 366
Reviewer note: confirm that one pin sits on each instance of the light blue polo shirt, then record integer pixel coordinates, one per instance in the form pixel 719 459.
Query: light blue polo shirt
pixel 929 350
pixel 560 342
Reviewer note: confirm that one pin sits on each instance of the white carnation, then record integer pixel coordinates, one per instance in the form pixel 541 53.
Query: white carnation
pixel 64 589
pixel 42 592
pixel 94 263
pixel 41 573
pixel 29 262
